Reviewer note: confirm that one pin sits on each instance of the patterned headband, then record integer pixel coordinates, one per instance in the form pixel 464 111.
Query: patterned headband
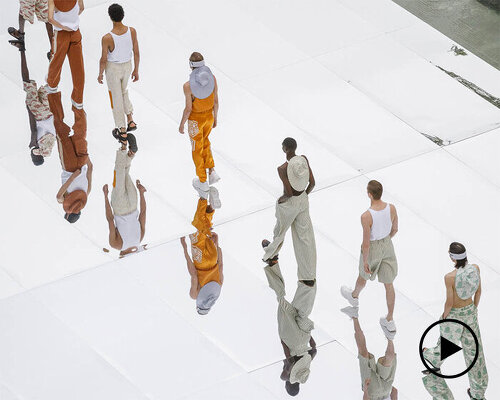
pixel 196 64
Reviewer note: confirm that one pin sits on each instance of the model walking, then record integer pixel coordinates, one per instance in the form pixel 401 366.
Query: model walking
pixel 200 112
pixel 377 259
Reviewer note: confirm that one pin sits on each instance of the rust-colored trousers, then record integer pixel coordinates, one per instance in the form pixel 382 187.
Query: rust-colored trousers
pixel 72 149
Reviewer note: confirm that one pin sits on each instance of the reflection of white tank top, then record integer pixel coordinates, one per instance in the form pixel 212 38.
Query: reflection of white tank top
pixel 80 182
pixel 123 50
pixel 130 229
pixel 70 18
pixel 382 223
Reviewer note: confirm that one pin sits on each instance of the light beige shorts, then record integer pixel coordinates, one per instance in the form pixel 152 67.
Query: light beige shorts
pixel 382 261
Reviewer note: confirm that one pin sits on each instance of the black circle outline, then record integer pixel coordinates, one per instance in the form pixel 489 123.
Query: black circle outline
pixel 421 350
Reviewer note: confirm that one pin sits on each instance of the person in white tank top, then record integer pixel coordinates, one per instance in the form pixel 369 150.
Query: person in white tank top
pixel 119 46
pixel 377 259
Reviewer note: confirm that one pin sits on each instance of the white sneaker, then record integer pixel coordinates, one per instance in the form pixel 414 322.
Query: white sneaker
pixel 201 188
pixel 351 312
pixel 214 199
pixel 388 334
pixel 213 177
pixel 390 325
pixel 347 294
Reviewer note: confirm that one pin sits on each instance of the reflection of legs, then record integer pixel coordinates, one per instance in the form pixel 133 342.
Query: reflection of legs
pixel 124 194
pixel 359 336
pixel 21 23
pixel 285 214
pixel 390 296
pixel 478 375
pixel 25 74
pixel 360 284
pixel 437 388
pixel 275 280
pixel 389 356
pixel 202 220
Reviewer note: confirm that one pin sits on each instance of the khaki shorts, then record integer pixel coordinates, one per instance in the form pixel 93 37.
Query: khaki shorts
pixel 382 261
pixel 28 9
pixel 381 377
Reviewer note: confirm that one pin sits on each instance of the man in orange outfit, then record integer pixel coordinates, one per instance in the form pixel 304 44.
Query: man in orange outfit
pixel 64 17
pixel 200 112
pixel 206 265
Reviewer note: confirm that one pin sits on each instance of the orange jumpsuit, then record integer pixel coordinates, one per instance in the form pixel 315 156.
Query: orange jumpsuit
pixel 203 249
pixel 200 124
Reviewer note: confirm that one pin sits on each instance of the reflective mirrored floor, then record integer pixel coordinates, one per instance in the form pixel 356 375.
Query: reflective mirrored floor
pixel 357 85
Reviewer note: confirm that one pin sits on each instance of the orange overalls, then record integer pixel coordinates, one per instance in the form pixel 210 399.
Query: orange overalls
pixel 200 124
pixel 203 249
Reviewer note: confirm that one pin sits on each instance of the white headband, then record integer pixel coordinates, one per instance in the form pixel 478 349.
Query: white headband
pixel 461 256
pixel 196 64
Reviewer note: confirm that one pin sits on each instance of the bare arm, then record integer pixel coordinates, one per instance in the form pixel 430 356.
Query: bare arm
pixel 81 5
pixel 105 46
pixel 448 281
pixel 312 181
pixel 137 56
pixel 115 241
pixel 288 191
pixel 394 393
pixel 142 214
pixel 395 221
pixel 90 169
pixel 477 295
pixel 188 107
pixel 193 291
pixel 64 187
pixel 34 133
pixel 51 17
pixel 216 103
pixel 220 263
pixel 366 221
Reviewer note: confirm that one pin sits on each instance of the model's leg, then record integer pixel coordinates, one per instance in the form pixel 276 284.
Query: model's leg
pixel 359 336
pixel 275 280
pixel 25 74
pixel 122 199
pixel 208 159
pixel 390 295
pixel 304 244
pixel 61 43
pixel 75 58
pixel 389 356
pixel 113 79
pixel 285 214
pixel 360 285
pixel 478 375
pixel 195 129
pixel 50 33
pixel 437 387
pixel 125 76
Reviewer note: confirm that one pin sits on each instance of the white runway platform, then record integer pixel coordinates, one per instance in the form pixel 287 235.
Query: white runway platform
pixel 356 84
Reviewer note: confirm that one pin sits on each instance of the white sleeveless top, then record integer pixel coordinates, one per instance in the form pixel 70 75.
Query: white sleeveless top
pixel 382 223
pixel 80 182
pixel 70 18
pixel 123 50
pixel 130 229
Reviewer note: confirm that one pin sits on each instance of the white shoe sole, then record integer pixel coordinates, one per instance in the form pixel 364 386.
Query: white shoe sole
pixel 390 326
pixel 202 193
pixel 214 198
pixel 213 178
pixel 347 294
pixel 351 312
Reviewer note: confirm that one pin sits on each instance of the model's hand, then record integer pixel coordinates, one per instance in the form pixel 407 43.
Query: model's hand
pixel 367 268
pixel 181 129
pixel 215 122
pixel 141 188
pixel 105 190
pixel 282 199
pixel 99 79
pixel 65 28
pixel 135 75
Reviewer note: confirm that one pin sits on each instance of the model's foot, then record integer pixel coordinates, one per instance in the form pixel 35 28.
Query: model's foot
pixel 351 312
pixel 201 187
pixel 15 33
pixel 390 325
pixel 346 293
pixel 213 177
pixel 388 334
pixel 19 44
pixel 265 243
pixel 49 55
pixel 214 199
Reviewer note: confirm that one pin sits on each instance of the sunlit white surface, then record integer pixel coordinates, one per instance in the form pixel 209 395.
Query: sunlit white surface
pixel 356 84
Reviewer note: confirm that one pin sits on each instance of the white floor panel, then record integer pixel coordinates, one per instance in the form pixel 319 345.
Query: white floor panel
pixel 413 89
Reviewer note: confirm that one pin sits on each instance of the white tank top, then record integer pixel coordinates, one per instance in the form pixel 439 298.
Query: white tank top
pixel 70 18
pixel 123 50
pixel 79 183
pixel 382 223
pixel 130 229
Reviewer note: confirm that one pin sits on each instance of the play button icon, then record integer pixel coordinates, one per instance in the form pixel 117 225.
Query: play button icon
pixel 447 349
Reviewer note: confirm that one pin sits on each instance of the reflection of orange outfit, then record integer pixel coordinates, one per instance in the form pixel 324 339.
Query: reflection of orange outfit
pixel 200 124
pixel 203 249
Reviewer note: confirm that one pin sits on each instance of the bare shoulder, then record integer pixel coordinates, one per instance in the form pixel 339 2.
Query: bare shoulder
pixel 450 277
pixel 477 266
pixel 187 87
pixel 107 38
pixel 366 217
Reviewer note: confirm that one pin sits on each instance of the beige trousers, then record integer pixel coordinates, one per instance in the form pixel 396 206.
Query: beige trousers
pixel 124 194
pixel 117 76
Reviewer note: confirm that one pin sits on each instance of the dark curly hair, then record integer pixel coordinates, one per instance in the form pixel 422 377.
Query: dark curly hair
pixel 116 12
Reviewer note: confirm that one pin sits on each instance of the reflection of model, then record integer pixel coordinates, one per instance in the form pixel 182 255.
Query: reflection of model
pixel 27 11
pixel 127 225
pixel 294 328
pixel 41 119
pixel 206 265
pixel 376 377
pixel 380 224
pixel 200 112
pixel 119 46
pixel 463 292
